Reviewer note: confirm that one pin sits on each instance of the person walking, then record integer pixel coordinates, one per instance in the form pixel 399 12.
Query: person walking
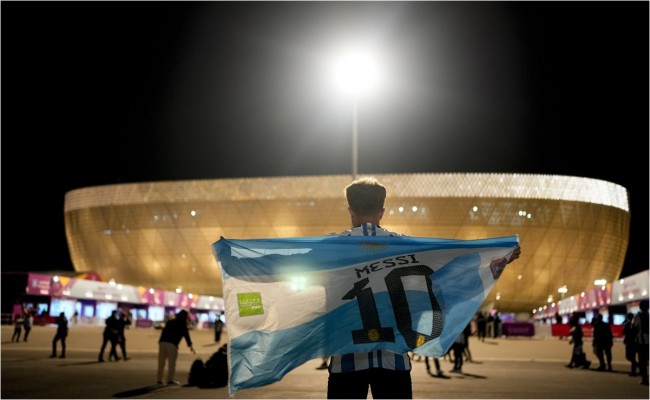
pixel 603 340
pixel 629 340
pixel 110 335
pixel 28 323
pixel 175 329
pixel 61 334
pixel 351 375
pixel 578 356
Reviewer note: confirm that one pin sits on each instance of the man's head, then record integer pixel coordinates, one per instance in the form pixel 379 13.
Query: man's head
pixel 366 198
pixel 182 314
pixel 643 305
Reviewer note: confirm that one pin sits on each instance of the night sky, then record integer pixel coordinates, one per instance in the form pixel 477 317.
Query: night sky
pixel 97 93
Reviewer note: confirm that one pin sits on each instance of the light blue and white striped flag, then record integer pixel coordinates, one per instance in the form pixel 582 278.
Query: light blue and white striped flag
pixel 290 300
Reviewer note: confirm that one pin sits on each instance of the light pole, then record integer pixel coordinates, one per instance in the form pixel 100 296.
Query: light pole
pixel 356 73
pixel 355 139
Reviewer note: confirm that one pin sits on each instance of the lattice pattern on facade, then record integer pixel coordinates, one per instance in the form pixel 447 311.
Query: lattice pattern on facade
pixel 159 234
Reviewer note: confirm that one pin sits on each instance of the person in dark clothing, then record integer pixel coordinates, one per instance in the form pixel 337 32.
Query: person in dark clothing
pixel 490 325
pixel 578 357
pixel 122 324
pixel 61 334
pixel 497 325
pixel 110 334
pixel 481 326
pixel 29 322
pixel 458 347
pixel 640 323
pixel 175 329
pixel 467 332
pixel 19 321
pixel 437 365
pixel 603 342
pixel 629 337
pixel 218 327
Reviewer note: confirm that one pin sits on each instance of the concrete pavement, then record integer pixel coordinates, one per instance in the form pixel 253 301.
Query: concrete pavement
pixel 513 368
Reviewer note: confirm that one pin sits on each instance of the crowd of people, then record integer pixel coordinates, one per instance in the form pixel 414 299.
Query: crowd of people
pixel 635 339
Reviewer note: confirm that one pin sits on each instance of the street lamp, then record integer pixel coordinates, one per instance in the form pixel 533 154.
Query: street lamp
pixel 356 74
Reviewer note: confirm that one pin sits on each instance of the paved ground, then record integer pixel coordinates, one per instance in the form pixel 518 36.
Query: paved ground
pixel 502 369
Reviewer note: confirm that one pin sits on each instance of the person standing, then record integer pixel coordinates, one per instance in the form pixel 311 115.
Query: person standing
pixel 629 340
pixel 467 332
pixel 490 325
pixel 122 324
pixel 175 329
pixel 497 325
pixel 61 334
pixel 458 348
pixel 603 342
pixel 19 321
pixel 110 335
pixel 218 327
pixel 481 326
pixel 641 325
pixel 29 322
pixel 385 373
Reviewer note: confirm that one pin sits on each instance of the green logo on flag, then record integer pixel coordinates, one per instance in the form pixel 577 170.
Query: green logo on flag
pixel 250 304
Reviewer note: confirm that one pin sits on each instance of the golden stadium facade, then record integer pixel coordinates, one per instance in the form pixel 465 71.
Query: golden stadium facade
pixel 572 230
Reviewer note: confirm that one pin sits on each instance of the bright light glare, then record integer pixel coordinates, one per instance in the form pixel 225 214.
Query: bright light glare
pixel 356 72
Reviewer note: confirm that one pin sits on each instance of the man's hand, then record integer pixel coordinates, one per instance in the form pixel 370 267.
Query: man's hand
pixel 515 255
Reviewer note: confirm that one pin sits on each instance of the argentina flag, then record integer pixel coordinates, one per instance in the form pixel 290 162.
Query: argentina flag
pixel 290 300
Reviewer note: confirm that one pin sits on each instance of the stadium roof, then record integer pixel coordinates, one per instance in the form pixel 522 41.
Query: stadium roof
pixel 572 230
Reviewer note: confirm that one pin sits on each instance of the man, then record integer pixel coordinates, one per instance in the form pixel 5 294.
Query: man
pixel 387 374
pixel 603 340
pixel 122 324
pixel 110 335
pixel 629 340
pixel 640 324
pixel 175 329
pixel 61 334
pixel 218 328
pixel 29 322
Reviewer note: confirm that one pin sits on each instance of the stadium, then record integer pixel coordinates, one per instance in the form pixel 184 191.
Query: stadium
pixel 572 230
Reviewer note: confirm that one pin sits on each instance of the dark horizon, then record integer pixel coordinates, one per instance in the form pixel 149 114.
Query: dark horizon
pixel 100 93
